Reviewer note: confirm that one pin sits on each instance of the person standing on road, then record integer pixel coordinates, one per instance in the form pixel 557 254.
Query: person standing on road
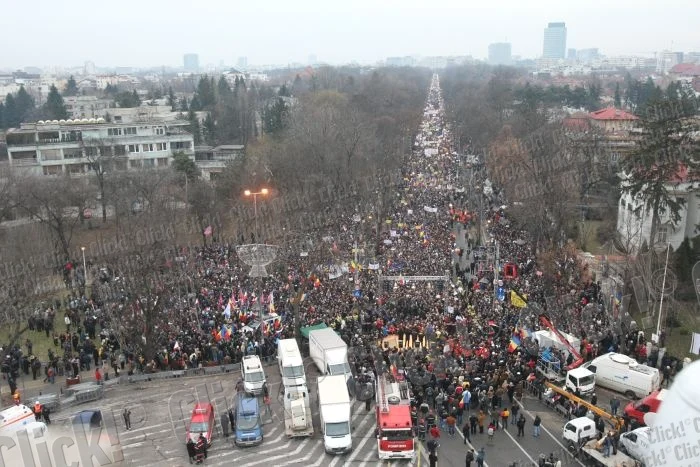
pixel 521 425
pixel 451 422
pixel 127 418
pixel 480 420
pixel 536 426
pixel 480 457
pixel 472 423
pixel 505 415
pixel 614 405
pixel 465 431
pixel 470 458
pixel 224 424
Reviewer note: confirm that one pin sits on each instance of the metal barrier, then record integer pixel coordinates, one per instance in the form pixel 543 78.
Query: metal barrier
pixel 188 373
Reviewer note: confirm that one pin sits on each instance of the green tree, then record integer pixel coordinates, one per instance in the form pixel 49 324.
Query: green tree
pixel 205 92
pixel 274 116
pixel 111 91
pixel 666 156
pixel 24 103
pixel 172 100
pixel 183 105
pixel 194 126
pixel 223 89
pixel 71 88
pixel 209 129
pixel 284 91
pixel 184 165
pixel 618 98
pixel 128 99
pixel 54 108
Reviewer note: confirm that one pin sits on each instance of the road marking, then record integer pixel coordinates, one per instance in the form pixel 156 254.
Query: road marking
pixel 269 459
pixel 519 446
pixel 356 450
pixel 544 428
pixel 461 435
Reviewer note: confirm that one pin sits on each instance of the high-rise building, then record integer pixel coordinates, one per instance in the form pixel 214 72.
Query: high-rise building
pixel 554 41
pixel 191 62
pixel 499 53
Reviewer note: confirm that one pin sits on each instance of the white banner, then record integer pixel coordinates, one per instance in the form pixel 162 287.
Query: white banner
pixel 388 242
pixel 430 209
pixel 373 267
pixel 393 233
pixel 695 344
pixel 304 254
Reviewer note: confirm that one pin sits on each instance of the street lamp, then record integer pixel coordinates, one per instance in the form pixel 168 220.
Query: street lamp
pixel 263 192
pixel 82 248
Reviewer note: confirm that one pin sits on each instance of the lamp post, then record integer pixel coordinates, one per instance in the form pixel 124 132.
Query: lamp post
pixel 85 277
pixel 263 192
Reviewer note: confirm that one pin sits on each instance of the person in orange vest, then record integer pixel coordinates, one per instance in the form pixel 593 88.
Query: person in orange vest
pixel 37 411
pixel 15 397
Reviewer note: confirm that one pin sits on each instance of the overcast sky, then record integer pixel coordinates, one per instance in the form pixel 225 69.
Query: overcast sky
pixel 155 32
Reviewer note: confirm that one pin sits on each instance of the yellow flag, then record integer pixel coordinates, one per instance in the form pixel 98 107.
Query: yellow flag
pixel 516 301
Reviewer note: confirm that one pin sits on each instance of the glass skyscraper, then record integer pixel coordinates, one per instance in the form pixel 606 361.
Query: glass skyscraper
pixel 554 41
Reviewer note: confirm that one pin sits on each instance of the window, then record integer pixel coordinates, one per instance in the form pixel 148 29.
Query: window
pixel 76 169
pixel 114 132
pixel 134 148
pixel 149 163
pixel 163 162
pixel 130 131
pixel 148 148
pixel 91 151
pixel 119 150
pixel 159 131
pixel 180 145
pixel 591 368
pixel 72 153
pixel 161 146
pixel 50 154
pixel 662 234
pixel 53 170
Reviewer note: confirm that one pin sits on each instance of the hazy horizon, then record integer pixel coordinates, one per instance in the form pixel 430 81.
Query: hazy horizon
pixel 158 33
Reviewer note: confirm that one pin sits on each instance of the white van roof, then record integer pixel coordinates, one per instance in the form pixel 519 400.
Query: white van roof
pixel 580 372
pixel 581 421
pixel 252 362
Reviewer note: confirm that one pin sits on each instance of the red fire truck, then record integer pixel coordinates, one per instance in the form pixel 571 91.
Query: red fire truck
pixel 394 428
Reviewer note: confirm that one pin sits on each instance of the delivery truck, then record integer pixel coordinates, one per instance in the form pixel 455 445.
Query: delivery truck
pixel 335 414
pixel 329 352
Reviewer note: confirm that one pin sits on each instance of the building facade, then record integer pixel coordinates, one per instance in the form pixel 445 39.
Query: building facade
pixel 500 53
pixel 554 45
pixel 69 147
pixel 211 161
pixel 191 62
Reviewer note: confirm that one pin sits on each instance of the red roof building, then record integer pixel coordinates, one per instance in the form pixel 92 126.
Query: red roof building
pixel 613 120
pixel 690 70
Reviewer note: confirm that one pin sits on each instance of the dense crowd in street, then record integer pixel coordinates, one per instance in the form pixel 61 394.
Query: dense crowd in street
pixel 468 319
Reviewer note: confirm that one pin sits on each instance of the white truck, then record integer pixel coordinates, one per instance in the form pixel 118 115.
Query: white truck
pixel 622 373
pixel 291 364
pixel 329 352
pixel 335 414
pixel 297 412
pixel 546 338
pixel 592 452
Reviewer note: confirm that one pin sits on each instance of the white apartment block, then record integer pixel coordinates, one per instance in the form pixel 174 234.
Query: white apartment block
pixel 68 147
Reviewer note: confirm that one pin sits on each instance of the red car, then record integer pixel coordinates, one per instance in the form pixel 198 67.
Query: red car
pixel 202 421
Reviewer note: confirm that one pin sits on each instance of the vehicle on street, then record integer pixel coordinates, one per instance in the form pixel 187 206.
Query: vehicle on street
pixel 290 363
pixel 622 373
pixel 592 453
pixel 334 411
pixel 636 443
pixel 394 426
pixel 581 380
pixel 202 421
pixel 329 352
pixel 297 412
pixel 247 421
pixel 253 374
pixel 15 417
pixel 650 404
pixel 579 430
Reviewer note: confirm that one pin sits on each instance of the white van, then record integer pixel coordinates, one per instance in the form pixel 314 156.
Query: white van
pixel 15 418
pixel 290 363
pixel 581 379
pixel 335 414
pixel 623 374
pixel 579 430
pixel 636 443
pixel 253 374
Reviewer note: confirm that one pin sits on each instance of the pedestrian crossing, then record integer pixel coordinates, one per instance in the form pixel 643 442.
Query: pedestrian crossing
pixel 160 412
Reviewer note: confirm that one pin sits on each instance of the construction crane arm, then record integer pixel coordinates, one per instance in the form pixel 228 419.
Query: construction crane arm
pixel 617 422
pixel 578 360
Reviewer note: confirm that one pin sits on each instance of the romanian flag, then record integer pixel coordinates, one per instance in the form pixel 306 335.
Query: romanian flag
pixel 514 343
pixel 517 300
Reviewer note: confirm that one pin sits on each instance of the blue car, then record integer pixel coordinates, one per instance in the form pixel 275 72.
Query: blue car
pixel 248 424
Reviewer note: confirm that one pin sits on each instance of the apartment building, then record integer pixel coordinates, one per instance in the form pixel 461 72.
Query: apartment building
pixel 68 147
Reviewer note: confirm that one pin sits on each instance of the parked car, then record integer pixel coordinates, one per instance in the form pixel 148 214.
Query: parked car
pixel 202 421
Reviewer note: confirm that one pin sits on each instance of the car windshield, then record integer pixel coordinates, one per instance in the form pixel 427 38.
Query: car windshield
pixel 254 377
pixel 396 434
pixel 339 369
pixel 248 421
pixel 586 380
pixel 199 427
pixel 337 429
pixel 293 371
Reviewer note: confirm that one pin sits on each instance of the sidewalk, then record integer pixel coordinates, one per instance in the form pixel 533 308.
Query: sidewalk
pixel 30 388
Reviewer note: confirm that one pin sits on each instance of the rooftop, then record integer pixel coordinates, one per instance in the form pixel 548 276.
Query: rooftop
pixel 611 113
pixel 687 69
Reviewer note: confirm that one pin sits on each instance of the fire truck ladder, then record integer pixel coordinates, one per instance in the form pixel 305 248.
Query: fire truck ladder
pixel 381 393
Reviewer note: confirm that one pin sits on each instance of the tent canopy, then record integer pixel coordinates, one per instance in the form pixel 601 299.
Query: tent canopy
pixel 306 330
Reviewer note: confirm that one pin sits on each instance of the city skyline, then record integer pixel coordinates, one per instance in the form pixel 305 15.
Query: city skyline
pixel 274 32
